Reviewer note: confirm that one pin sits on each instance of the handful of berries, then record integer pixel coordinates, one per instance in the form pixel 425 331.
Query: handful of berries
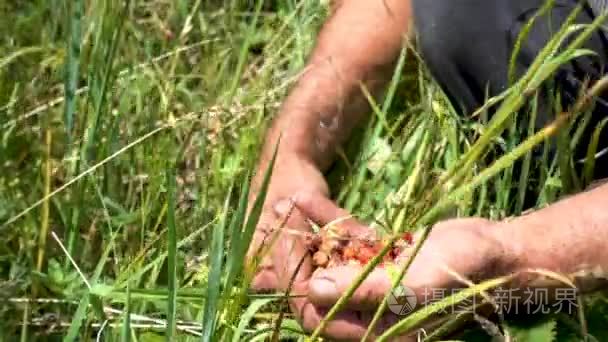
pixel 331 247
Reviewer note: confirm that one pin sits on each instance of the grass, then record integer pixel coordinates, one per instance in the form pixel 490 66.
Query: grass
pixel 129 134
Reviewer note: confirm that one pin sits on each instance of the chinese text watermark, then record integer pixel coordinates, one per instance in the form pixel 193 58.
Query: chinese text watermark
pixel 403 300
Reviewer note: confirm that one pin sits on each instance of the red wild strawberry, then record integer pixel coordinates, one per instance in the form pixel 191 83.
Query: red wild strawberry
pixel 408 237
pixel 365 255
pixel 349 253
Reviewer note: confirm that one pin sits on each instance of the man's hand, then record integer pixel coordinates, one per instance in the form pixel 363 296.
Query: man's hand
pixel 468 247
pixel 357 46
pixel 292 175
pixel 568 238
pixel 290 250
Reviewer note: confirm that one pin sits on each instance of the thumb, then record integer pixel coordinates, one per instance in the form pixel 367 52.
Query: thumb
pixel 328 285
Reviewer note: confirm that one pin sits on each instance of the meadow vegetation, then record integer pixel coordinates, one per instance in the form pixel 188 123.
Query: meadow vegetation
pixel 130 131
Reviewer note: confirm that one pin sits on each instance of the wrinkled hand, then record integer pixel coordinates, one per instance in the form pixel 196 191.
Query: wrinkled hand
pixel 467 247
pixel 291 176
pixel 298 193
pixel 297 187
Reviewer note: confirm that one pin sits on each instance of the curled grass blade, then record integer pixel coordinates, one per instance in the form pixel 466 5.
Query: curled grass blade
pixel 549 4
pixel 12 57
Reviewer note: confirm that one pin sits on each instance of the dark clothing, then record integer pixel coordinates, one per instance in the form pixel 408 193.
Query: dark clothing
pixel 467 45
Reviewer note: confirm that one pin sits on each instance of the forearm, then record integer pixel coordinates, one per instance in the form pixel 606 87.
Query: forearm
pixel 358 45
pixel 567 237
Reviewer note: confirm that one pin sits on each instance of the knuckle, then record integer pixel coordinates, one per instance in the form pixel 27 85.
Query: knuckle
pixel 305 199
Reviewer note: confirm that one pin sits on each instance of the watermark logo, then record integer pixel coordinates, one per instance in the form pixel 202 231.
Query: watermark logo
pixel 402 300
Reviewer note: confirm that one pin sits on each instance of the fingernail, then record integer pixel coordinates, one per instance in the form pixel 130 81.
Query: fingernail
pixel 282 207
pixel 324 288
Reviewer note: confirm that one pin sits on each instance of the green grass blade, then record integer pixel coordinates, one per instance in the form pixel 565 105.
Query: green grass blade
pixel 106 78
pixel 172 254
pixel 509 158
pixel 429 310
pixel 352 199
pixel 397 76
pixel 522 188
pixel 246 317
pixel 125 332
pixel 380 114
pixel 530 81
pixel 549 4
pixel 77 319
pixel 214 284
pixel 258 204
pixel 237 247
pixel 244 52
pixel 73 65
pixel 589 168
pixel 502 163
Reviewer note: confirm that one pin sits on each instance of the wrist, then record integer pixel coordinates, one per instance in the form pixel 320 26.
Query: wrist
pixel 534 243
pixel 519 252
pixel 302 139
pixel 515 236
pixel 293 171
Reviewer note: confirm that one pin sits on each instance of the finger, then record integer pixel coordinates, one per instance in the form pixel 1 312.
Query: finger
pixel 265 279
pixel 324 211
pixel 291 258
pixel 258 254
pixel 367 298
pixel 347 325
pixel 328 285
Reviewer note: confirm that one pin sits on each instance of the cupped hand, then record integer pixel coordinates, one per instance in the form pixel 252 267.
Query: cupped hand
pixel 298 187
pixel 298 195
pixel 456 250
pixel 281 254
